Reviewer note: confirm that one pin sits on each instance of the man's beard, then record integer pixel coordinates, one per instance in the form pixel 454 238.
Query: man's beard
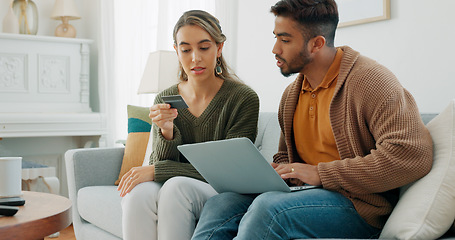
pixel 296 64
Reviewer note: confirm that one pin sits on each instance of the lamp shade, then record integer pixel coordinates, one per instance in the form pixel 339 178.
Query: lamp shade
pixel 160 72
pixel 65 8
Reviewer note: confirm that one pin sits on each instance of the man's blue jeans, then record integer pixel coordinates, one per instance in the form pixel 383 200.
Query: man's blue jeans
pixel 314 213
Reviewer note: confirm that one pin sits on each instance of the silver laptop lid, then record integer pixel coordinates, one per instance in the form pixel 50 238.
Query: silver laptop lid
pixel 233 165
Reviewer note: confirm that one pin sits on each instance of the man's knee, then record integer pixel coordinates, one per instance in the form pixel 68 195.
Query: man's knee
pixel 228 202
pixel 221 201
pixel 266 200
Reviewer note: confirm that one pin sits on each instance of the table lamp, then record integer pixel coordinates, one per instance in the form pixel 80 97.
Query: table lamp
pixel 160 72
pixel 65 10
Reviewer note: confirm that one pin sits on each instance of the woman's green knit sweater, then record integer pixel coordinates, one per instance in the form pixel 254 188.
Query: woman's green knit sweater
pixel 232 113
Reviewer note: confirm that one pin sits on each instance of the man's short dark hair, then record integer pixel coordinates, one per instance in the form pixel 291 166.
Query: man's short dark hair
pixel 316 17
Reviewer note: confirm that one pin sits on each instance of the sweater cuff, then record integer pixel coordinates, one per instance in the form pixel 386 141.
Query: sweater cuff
pixel 281 157
pixel 166 149
pixel 328 180
pixel 167 169
pixel 163 172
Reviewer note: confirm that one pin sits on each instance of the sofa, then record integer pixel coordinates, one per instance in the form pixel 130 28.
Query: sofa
pixel 97 211
pixel 92 172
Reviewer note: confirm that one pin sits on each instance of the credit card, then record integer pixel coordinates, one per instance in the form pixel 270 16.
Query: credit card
pixel 176 101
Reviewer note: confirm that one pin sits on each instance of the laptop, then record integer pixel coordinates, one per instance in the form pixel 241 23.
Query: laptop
pixel 235 165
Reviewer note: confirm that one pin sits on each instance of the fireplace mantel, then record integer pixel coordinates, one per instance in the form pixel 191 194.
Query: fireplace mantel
pixel 44 74
pixel 44 87
pixel 51 124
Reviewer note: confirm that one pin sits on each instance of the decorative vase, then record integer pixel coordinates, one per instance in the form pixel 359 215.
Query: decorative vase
pixel 27 14
pixel 10 22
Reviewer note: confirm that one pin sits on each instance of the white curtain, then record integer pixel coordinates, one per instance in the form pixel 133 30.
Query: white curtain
pixel 106 56
pixel 130 31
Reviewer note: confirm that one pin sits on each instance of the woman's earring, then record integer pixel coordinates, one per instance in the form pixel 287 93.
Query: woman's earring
pixel 218 69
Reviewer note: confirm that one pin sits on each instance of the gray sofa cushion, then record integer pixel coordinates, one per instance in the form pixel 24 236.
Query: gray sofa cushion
pixel 100 205
pixel 426 117
pixel 268 135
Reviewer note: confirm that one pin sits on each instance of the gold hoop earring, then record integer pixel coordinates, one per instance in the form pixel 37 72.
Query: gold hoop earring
pixel 218 69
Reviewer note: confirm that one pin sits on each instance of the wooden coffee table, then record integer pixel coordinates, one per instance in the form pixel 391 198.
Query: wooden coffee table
pixel 42 215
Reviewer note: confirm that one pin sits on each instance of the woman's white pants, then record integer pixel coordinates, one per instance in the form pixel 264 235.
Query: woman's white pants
pixel 166 211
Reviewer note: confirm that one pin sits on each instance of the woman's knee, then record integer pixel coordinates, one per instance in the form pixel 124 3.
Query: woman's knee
pixel 175 184
pixel 142 196
pixel 186 188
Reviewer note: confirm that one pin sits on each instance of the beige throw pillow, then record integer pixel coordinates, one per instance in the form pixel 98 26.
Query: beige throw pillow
pixel 139 125
pixel 426 209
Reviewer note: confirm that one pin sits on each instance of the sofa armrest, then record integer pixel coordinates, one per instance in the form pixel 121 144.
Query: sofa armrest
pixel 92 166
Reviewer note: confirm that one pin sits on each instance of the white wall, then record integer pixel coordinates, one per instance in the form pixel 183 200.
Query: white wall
pixel 415 44
pixel 255 61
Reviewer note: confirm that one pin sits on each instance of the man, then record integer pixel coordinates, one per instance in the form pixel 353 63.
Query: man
pixel 347 125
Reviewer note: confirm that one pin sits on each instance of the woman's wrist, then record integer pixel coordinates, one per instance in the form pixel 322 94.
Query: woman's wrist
pixel 168 135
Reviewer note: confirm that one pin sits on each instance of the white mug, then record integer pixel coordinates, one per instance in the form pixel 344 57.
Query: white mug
pixel 10 176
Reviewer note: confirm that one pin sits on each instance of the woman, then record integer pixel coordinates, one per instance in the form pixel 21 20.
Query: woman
pixel 164 200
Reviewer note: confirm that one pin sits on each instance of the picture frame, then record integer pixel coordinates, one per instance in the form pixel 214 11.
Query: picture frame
pixel 354 12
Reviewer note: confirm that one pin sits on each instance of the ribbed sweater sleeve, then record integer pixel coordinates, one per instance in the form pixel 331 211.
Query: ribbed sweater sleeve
pixel 379 133
pixel 165 149
pixel 244 115
pixel 232 113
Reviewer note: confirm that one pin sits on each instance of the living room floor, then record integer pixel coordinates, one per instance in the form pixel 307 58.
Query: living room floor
pixel 65 234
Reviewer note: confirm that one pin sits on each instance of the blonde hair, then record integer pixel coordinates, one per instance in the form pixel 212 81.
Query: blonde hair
pixel 212 26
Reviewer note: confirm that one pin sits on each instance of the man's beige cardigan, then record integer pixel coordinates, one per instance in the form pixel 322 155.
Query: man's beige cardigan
pixel 382 141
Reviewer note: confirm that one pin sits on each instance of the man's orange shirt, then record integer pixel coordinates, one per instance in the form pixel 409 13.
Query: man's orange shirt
pixel 313 133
